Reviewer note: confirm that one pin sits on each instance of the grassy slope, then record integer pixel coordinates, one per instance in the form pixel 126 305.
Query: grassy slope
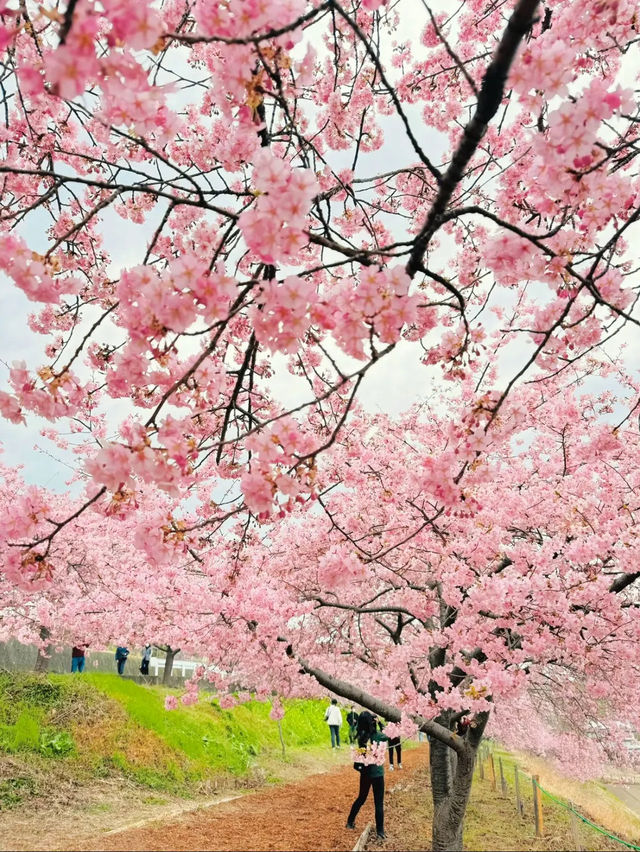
pixel 592 798
pixel 561 831
pixel 492 821
pixel 99 725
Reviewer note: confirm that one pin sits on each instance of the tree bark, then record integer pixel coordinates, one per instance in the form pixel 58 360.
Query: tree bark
pixel 449 810
pixel 44 656
pixel 441 774
pixel 171 654
pixel 451 781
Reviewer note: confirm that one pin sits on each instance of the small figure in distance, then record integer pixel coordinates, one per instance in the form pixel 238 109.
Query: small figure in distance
pixel 78 657
pixel 395 744
pixel 146 657
pixel 352 722
pixel 333 718
pixel 121 658
pixel 371 775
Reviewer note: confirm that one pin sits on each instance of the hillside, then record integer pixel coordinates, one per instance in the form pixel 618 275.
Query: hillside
pixel 96 762
pixel 62 732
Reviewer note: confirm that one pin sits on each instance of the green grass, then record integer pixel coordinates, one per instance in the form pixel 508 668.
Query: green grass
pixel 492 821
pixel 99 725
pixel 28 706
pixel 505 829
pixel 222 740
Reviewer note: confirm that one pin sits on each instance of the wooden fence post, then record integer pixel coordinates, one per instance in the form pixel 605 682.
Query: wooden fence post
pixel 519 802
pixel 503 783
pixel 537 805
pixel 493 772
pixel 575 833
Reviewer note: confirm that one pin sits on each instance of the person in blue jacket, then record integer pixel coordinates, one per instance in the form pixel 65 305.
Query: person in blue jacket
pixel 371 775
pixel 121 658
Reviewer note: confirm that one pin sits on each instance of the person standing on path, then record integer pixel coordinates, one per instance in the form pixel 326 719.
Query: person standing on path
pixel 78 658
pixel 333 718
pixel 394 743
pixel 352 722
pixel 121 658
pixel 146 658
pixel 371 774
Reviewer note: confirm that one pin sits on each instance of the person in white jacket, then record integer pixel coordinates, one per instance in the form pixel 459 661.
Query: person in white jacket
pixel 333 718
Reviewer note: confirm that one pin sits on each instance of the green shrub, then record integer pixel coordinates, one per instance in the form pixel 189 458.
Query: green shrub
pixel 56 743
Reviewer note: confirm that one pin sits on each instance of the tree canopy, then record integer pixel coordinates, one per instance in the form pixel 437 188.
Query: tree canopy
pixel 228 217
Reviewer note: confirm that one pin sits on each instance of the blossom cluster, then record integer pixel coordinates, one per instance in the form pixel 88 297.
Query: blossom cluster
pixel 374 753
pixel 379 301
pixel 273 225
pixel 37 277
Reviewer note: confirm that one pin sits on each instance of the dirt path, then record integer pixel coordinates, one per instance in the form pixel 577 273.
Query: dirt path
pixel 307 815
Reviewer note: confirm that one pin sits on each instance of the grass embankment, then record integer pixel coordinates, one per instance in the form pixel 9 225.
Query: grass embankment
pixel 591 798
pixel 492 820
pixel 63 729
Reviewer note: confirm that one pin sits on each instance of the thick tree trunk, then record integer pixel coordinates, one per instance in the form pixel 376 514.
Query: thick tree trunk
pixel 451 779
pixel 449 809
pixel 168 663
pixel 44 656
pixel 441 775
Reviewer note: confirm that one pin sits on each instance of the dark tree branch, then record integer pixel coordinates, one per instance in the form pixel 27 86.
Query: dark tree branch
pixel 489 100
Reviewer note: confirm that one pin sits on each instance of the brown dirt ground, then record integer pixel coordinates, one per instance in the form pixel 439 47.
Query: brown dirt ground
pixel 69 810
pixel 309 814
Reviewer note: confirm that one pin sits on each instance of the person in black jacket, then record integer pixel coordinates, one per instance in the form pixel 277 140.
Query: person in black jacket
pixel 121 658
pixel 371 775
pixel 352 722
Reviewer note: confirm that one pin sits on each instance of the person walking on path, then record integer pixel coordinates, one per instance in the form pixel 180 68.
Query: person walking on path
pixel 394 743
pixel 352 722
pixel 371 774
pixel 121 658
pixel 78 658
pixel 146 658
pixel 333 718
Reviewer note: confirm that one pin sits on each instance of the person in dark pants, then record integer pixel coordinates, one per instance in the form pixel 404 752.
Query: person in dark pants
pixel 146 658
pixel 352 722
pixel 121 658
pixel 371 775
pixel 394 743
pixel 333 718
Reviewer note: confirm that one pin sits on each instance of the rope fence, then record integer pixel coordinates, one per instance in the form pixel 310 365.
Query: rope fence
pixel 486 768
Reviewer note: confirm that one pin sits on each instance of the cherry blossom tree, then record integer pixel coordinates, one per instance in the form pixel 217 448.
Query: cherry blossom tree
pixel 104 591
pixel 227 216
pixel 446 603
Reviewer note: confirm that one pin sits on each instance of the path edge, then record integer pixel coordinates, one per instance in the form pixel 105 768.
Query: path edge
pixel 363 838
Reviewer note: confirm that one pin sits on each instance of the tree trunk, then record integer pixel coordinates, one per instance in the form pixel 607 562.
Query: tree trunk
pixel 44 656
pixel 168 663
pixel 281 738
pixel 451 781
pixel 449 809
pixel 441 775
